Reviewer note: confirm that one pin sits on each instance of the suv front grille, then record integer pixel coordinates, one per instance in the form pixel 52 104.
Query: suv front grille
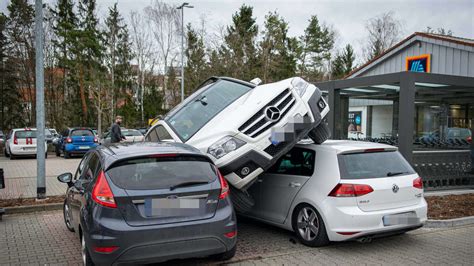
pixel 258 123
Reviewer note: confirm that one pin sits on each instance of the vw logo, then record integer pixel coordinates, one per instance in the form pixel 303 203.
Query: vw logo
pixel 272 113
pixel 395 188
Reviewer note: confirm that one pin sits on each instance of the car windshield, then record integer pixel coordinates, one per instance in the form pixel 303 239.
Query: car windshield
pixel 23 134
pixel 202 108
pixel 81 133
pixel 373 165
pixel 131 133
pixel 161 173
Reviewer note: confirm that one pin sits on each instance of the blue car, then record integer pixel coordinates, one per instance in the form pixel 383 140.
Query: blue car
pixel 76 141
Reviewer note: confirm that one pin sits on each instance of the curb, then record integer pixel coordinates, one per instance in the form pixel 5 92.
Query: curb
pixel 449 223
pixel 34 208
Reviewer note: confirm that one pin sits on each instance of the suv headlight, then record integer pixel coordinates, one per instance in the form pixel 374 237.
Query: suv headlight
pixel 300 85
pixel 224 146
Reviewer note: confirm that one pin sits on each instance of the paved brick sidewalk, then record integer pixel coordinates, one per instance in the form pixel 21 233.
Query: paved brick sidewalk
pixel 20 176
pixel 42 238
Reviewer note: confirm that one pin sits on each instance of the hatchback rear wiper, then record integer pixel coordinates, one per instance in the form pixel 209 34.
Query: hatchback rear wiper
pixel 396 173
pixel 185 184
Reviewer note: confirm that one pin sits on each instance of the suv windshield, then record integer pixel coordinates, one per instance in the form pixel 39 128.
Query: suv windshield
pixel 373 165
pixel 161 173
pixel 202 108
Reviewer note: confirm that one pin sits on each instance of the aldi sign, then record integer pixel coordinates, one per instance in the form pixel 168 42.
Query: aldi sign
pixel 419 63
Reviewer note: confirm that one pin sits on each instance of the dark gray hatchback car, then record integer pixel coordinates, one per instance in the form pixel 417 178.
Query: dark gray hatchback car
pixel 149 202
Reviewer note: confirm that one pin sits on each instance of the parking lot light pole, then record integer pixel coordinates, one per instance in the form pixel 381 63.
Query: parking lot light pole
pixel 40 149
pixel 182 46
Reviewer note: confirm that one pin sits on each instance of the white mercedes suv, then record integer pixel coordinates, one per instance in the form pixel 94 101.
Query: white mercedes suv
pixel 245 127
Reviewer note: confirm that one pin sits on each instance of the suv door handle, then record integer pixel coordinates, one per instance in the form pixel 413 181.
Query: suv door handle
pixel 294 184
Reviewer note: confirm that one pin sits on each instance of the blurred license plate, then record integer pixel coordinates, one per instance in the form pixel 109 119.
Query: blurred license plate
pixel 29 148
pixel 83 147
pixel 173 207
pixel 407 218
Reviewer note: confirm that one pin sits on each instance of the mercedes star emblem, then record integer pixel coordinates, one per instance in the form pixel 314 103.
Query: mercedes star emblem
pixel 272 113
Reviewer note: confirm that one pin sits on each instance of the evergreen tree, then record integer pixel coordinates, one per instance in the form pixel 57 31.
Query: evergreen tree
pixel 277 56
pixel 196 66
pixel 343 63
pixel 317 43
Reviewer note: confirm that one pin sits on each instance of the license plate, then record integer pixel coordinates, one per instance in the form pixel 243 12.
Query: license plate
pixel 407 218
pixel 29 148
pixel 174 207
pixel 83 147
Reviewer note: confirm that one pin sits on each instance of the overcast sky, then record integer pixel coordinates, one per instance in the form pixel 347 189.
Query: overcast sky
pixel 348 17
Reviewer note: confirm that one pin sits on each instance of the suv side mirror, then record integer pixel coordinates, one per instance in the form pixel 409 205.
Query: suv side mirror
pixel 65 178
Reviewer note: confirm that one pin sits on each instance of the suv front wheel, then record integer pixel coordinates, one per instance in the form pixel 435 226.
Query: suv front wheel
pixel 320 133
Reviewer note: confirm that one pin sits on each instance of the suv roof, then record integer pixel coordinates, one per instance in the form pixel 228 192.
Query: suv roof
pixel 111 153
pixel 343 146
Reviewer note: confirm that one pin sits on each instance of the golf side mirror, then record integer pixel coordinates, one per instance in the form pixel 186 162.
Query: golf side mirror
pixel 65 178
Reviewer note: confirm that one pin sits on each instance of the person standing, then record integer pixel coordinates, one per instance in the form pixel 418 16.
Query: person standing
pixel 115 132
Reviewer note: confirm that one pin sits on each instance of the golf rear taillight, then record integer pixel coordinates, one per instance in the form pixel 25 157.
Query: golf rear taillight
pixel 418 183
pixel 224 186
pixel 105 249
pixel 350 190
pixel 102 194
pixel 231 234
pixel 69 140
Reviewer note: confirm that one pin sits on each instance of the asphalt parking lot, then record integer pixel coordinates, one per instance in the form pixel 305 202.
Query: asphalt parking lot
pixel 42 238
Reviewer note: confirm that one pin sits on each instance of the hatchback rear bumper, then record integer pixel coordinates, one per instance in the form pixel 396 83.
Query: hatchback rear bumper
pixel 76 148
pixel 158 243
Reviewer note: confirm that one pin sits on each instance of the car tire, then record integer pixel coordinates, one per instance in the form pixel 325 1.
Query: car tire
pixel 320 133
pixel 58 152
pixel 66 155
pixel 12 157
pixel 6 153
pixel 226 255
pixel 86 257
pixel 309 226
pixel 242 201
pixel 67 217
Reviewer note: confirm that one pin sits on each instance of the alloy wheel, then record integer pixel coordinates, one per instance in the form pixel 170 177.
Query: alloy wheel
pixel 308 224
pixel 83 250
pixel 66 216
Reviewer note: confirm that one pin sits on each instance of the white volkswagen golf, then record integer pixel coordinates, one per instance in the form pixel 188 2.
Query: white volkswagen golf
pixel 340 190
pixel 245 127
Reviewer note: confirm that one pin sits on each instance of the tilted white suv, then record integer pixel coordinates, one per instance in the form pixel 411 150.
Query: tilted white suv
pixel 21 142
pixel 245 127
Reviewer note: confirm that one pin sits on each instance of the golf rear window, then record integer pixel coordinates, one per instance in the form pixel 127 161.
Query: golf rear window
pixel 25 134
pixel 82 133
pixel 161 172
pixel 373 165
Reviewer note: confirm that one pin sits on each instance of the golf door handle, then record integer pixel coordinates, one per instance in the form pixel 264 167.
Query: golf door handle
pixel 259 180
pixel 295 184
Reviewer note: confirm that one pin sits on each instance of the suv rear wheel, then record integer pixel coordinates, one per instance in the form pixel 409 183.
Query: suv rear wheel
pixel 309 226
pixel 320 133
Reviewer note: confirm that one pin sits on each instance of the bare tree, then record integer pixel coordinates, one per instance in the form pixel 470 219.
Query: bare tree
pixel 143 50
pixel 164 20
pixel 383 32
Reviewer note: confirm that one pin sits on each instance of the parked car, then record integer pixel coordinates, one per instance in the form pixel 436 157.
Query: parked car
pixel 149 202
pixel 2 137
pixel 53 132
pixel 340 190
pixel 48 136
pixel 245 127
pixel 21 142
pixel 143 130
pixel 75 141
pixel 131 135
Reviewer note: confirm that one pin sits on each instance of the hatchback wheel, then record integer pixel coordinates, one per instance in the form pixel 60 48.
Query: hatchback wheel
pixel 309 226
pixel 86 257
pixel 226 255
pixel 58 153
pixel 12 157
pixel 6 153
pixel 66 155
pixel 67 217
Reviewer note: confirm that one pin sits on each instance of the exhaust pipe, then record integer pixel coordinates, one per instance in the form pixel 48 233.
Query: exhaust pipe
pixel 364 240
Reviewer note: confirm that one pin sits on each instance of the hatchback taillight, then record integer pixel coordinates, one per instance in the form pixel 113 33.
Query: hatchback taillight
pixel 96 140
pixel 69 140
pixel 224 186
pixel 101 193
pixel 418 183
pixel 350 190
pixel 15 140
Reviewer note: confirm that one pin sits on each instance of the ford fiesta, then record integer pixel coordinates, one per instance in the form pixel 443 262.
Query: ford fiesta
pixel 245 127
pixel 149 202
pixel 340 190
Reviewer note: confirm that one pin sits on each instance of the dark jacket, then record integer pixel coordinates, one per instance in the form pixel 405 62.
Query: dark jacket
pixel 115 133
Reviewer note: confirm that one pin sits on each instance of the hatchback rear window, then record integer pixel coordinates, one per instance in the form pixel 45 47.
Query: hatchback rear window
pixel 373 165
pixel 161 173
pixel 25 134
pixel 82 133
